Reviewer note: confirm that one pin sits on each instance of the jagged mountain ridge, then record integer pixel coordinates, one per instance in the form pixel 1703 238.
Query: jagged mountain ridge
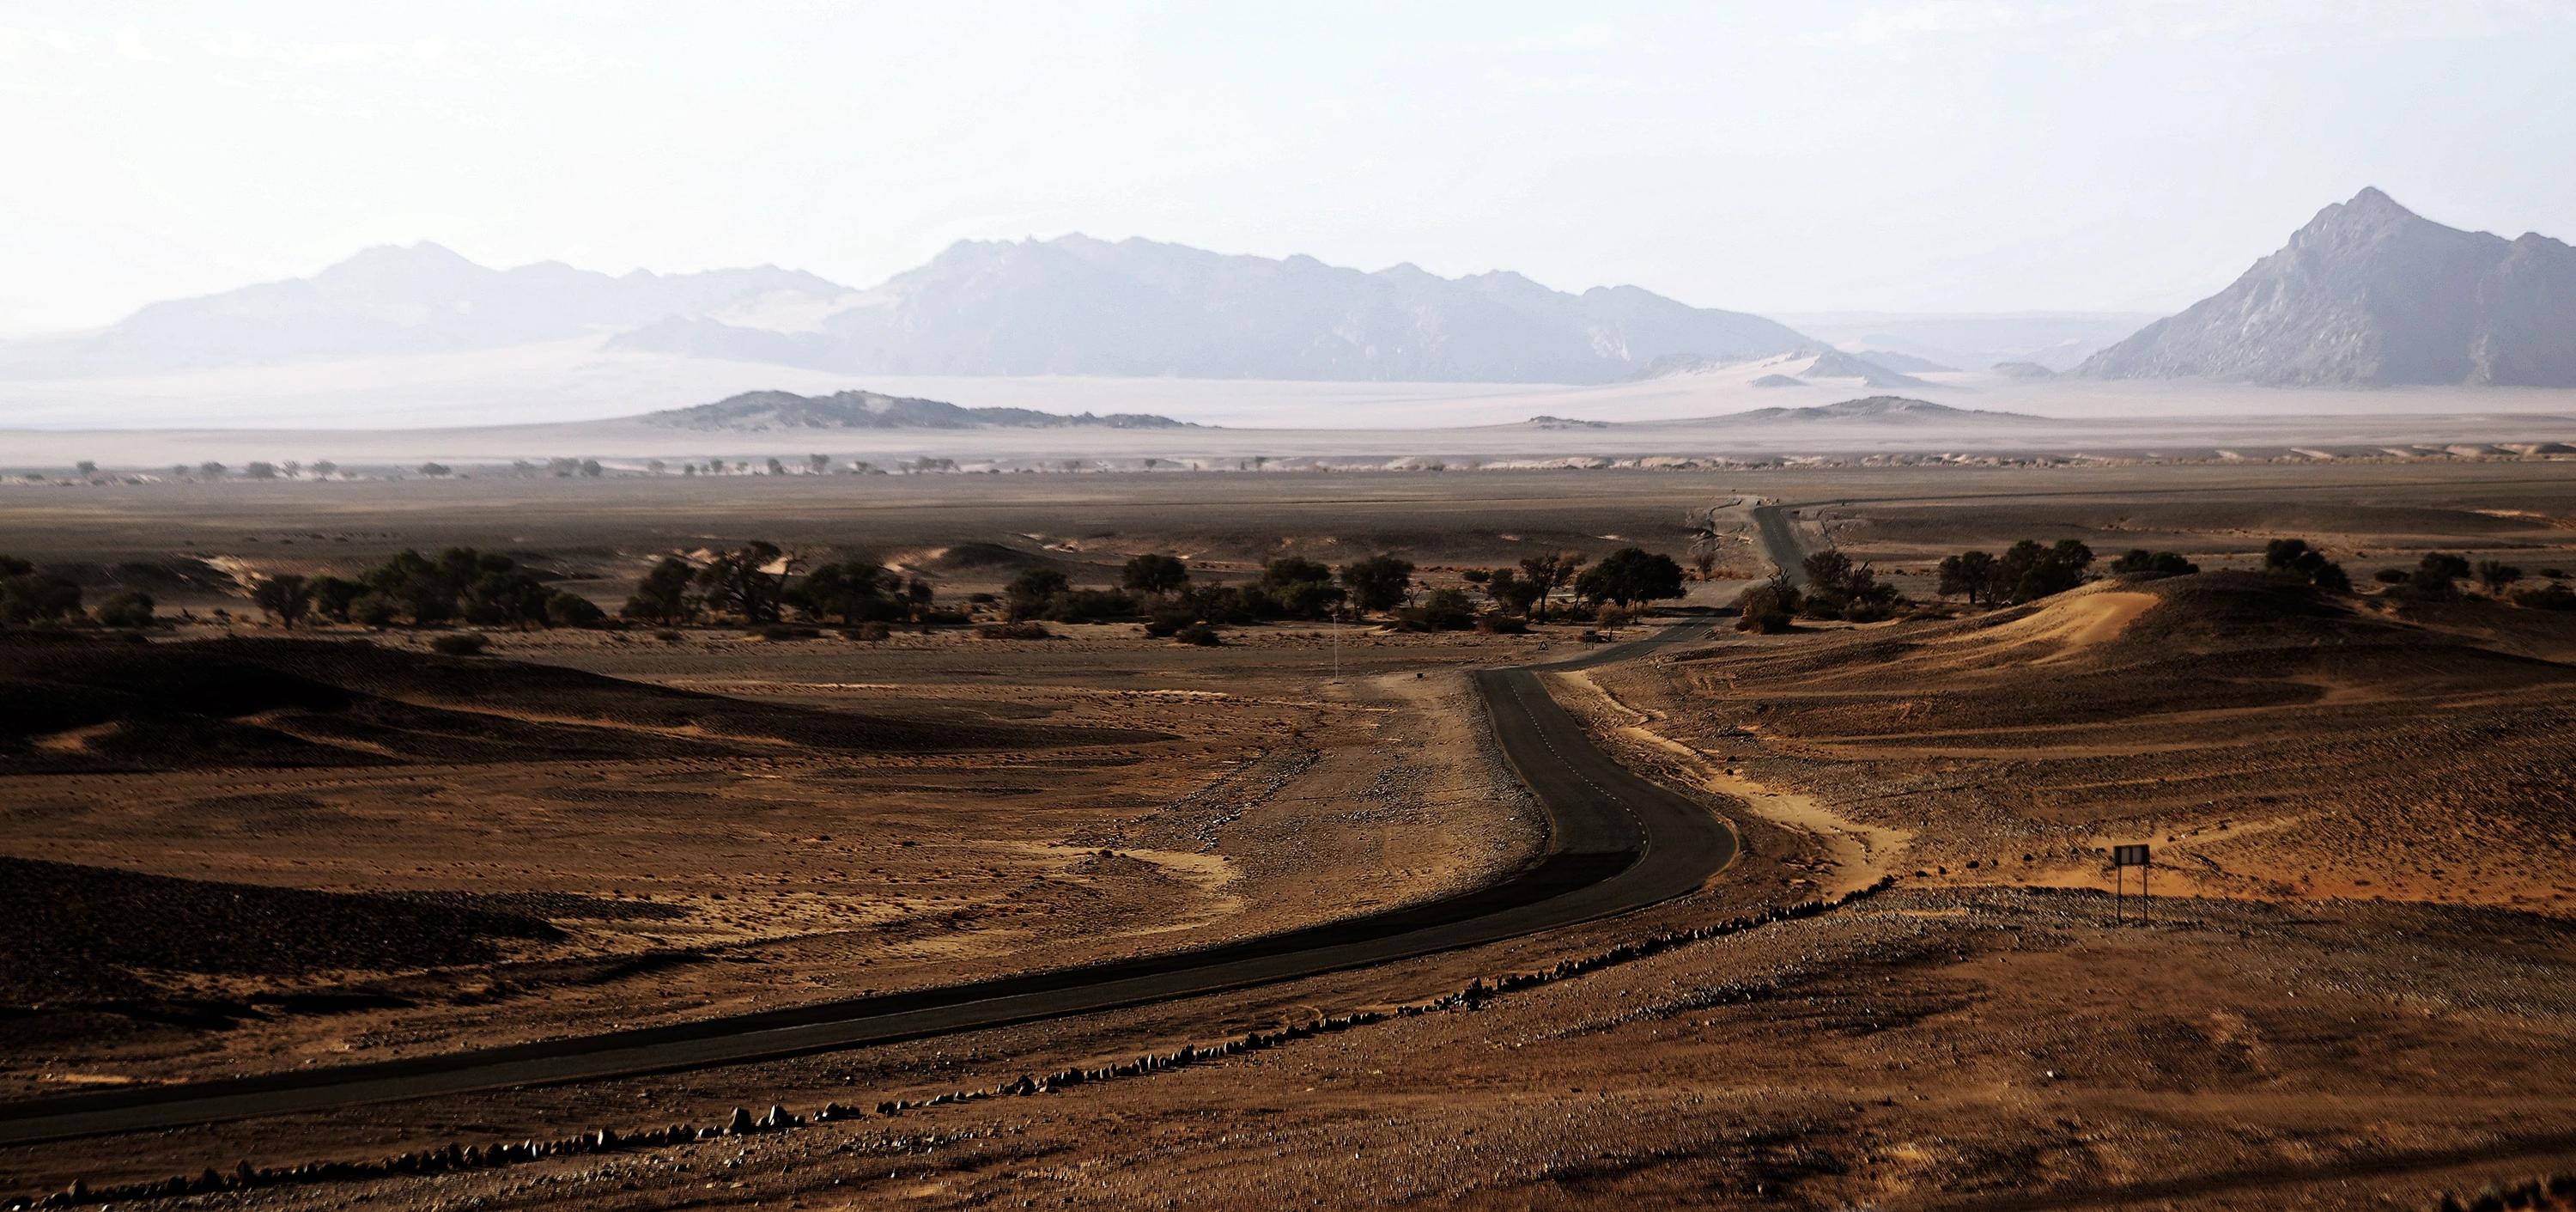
pixel 1077 305
pixel 759 411
pixel 2370 293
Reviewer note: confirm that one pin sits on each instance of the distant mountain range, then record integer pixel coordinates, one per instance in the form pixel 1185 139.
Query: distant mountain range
pixel 421 299
pixel 1076 305
pixel 2369 293
pixel 760 411
pixel 2366 294
pixel 1073 305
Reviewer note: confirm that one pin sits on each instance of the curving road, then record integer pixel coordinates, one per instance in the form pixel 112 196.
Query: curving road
pixel 1616 843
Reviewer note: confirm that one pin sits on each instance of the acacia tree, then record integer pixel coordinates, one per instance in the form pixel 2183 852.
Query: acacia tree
pixel 1029 594
pixel 1839 588
pixel 855 591
pixel 747 581
pixel 1971 573
pixel 1510 592
pixel 1379 582
pixel 1629 575
pixel 1154 573
pixel 662 595
pixel 2496 575
pixel 284 597
pixel 1550 573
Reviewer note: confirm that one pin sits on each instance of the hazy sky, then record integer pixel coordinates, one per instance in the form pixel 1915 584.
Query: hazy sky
pixel 1936 155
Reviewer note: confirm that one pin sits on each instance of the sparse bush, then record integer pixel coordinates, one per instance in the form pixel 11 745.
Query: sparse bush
pixel 1768 608
pixel 1027 595
pixel 130 608
pixel 1442 610
pixel 1164 621
pixel 2496 575
pixel 573 610
pixel 1154 573
pixel 31 596
pixel 462 643
pixel 332 596
pixel 2140 562
pixel 1013 631
pixel 1088 606
pixel 854 591
pixel 2390 576
pixel 668 637
pixel 2435 577
pixel 788 631
pixel 871 632
pixel 374 610
pixel 1199 634
pixel 2552 596
pixel 2293 557
pixel 1500 624
pixel 662 596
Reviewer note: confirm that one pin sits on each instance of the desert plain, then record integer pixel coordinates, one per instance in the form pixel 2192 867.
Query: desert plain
pixel 262 850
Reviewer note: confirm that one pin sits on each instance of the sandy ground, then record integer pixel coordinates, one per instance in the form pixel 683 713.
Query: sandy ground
pixel 1981 1036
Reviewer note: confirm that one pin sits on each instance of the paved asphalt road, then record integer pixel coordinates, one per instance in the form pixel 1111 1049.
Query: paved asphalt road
pixel 1778 540
pixel 1616 843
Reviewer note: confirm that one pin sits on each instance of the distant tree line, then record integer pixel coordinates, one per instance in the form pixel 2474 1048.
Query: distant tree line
pixel 759 583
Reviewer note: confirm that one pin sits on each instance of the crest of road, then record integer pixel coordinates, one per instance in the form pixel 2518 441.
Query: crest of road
pixel 1616 843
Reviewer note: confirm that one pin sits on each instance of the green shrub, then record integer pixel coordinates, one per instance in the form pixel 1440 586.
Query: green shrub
pixel 2140 562
pixel 130 608
pixel 573 610
pixel 2552 596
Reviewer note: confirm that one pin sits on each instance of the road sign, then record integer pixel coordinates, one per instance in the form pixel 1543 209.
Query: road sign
pixel 2123 858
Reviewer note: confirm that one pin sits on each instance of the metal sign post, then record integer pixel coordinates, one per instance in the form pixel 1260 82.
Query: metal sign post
pixel 2123 858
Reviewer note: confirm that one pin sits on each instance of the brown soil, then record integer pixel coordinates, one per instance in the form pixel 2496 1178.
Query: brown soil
pixel 2354 993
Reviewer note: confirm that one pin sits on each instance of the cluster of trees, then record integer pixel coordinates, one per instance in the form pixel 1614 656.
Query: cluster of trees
pixel 2294 558
pixel 758 583
pixel 2025 572
pixel 2437 576
pixel 1626 577
pixel 1837 587
pixel 484 588
pixel 1159 588
pixel 2145 564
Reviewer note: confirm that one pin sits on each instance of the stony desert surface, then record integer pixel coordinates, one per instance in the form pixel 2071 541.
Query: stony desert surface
pixel 2350 991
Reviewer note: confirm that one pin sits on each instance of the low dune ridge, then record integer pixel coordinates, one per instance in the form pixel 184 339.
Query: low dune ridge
pixel 78 704
pixel 2285 742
